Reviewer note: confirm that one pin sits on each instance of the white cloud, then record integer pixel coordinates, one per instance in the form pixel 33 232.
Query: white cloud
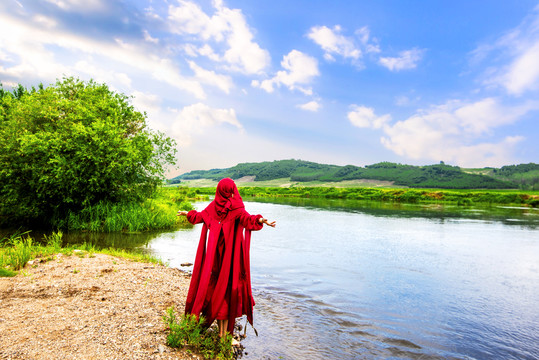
pixel 370 44
pixel 206 50
pixel 456 132
pixel 523 73
pixel 102 76
pixel 310 106
pixel 196 118
pixel 151 103
pixel 402 100
pixel 513 58
pixel 364 117
pixel 158 119
pixel 223 82
pixel 332 42
pixel 241 52
pixel 80 6
pixel 29 46
pixel 45 21
pixel 186 123
pixel 480 117
pixel 406 60
pixel 149 38
pixel 188 18
pixel 299 70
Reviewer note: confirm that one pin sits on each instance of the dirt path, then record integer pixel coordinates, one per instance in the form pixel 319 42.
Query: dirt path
pixel 99 307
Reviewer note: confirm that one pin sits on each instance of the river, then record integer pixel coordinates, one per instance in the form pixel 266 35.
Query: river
pixel 341 281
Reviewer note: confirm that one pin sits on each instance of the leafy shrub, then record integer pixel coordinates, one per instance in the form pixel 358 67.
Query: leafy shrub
pixel 533 202
pixel 72 145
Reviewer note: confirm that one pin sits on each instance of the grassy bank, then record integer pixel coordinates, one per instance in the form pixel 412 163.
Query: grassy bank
pixel 460 197
pixel 18 249
pixel 158 212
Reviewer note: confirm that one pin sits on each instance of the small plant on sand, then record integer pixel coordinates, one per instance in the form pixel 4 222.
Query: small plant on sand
pixel 7 273
pixel 54 241
pixel 188 331
pixel 17 252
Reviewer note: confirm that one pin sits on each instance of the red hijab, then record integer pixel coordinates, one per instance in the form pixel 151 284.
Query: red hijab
pixel 227 198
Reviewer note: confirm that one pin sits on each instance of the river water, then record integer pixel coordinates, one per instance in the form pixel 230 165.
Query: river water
pixel 341 281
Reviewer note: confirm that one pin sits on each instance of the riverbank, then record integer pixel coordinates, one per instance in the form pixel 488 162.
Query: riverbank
pixel 91 306
pixel 461 197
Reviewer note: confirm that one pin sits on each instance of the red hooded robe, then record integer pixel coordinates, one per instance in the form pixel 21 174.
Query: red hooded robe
pixel 221 281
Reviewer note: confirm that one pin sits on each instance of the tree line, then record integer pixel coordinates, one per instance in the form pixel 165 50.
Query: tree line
pixel 431 176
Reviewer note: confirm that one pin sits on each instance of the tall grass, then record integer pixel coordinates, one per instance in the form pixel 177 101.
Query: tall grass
pixel 18 249
pixel 54 241
pixel 132 255
pixel 155 213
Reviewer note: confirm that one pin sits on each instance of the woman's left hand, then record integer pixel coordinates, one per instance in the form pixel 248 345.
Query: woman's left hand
pixel 182 213
pixel 265 221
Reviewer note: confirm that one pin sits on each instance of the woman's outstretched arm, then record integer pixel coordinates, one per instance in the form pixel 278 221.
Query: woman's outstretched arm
pixel 193 216
pixel 254 222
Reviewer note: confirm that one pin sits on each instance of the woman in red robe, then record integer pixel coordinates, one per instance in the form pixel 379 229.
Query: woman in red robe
pixel 220 286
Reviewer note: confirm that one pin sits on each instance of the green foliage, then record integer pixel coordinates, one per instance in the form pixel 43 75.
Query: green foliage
pixel 431 176
pixel 190 331
pixel 526 176
pixel 73 145
pixel 464 198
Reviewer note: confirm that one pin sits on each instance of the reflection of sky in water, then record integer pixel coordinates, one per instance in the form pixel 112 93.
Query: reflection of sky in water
pixel 337 284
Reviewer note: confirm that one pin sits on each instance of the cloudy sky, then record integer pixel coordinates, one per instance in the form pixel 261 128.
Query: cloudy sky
pixel 337 82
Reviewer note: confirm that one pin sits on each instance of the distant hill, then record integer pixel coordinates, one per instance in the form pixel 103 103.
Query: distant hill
pixel 442 176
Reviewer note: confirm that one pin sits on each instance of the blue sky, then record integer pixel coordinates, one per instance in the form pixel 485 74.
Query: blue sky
pixel 337 82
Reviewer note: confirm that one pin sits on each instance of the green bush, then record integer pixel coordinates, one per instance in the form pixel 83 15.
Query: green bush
pixel 73 145
pixel 533 202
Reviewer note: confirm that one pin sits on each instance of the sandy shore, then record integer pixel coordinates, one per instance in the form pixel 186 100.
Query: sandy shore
pixel 81 307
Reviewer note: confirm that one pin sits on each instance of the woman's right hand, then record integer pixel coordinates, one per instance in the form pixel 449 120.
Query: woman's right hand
pixel 182 213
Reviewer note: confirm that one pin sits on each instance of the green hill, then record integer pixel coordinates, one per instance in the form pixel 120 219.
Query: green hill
pixel 525 176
